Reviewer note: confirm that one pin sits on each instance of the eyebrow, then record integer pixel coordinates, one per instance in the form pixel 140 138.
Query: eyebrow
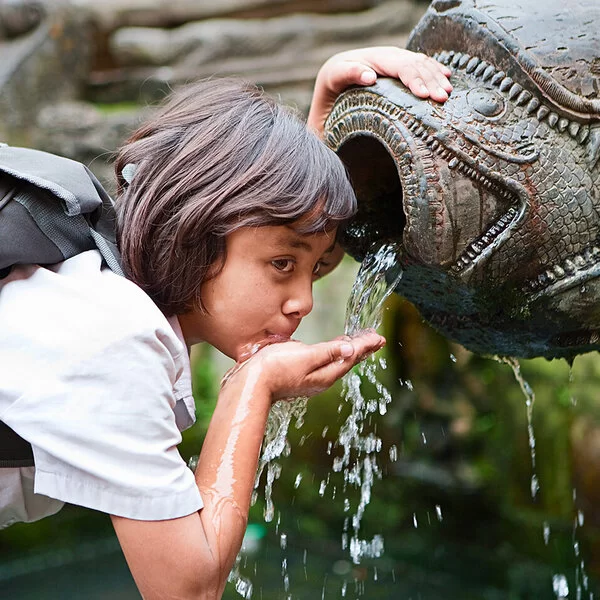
pixel 303 245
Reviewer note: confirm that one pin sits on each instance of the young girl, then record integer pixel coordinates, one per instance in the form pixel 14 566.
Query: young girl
pixel 228 208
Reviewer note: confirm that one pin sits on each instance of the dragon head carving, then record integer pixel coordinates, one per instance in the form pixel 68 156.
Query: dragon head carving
pixel 495 194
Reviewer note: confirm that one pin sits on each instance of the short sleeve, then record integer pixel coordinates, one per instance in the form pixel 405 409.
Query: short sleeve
pixel 104 433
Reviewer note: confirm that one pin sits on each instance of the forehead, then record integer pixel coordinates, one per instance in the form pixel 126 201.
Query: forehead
pixel 280 238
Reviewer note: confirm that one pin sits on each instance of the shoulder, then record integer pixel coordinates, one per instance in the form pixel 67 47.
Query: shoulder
pixel 80 301
pixel 77 319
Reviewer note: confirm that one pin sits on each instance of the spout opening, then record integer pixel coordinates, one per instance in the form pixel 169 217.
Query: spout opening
pixel 374 176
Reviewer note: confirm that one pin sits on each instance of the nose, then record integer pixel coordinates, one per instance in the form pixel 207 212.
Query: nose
pixel 300 300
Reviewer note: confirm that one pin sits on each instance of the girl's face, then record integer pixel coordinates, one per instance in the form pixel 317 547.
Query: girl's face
pixel 264 289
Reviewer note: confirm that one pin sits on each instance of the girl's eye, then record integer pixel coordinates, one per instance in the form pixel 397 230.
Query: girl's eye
pixel 319 266
pixel 284 265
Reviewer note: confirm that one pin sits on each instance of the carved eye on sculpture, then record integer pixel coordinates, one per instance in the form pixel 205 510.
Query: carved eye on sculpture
pixel 486 102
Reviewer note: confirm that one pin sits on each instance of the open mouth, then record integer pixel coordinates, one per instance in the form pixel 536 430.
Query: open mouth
pixel 410 183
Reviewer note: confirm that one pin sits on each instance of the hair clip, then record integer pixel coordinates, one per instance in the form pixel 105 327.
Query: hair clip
pixel 128 172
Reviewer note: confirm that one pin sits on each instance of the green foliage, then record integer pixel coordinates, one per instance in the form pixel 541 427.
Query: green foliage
pixel 205 386
pixel 110 108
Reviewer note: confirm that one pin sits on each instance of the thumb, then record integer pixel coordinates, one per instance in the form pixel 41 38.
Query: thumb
pixel 330 352
pixel 352 73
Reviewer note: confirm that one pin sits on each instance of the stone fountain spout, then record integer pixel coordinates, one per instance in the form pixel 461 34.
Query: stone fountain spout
pixel 494 195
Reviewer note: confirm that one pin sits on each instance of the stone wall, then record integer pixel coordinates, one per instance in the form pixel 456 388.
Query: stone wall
pixel 78 75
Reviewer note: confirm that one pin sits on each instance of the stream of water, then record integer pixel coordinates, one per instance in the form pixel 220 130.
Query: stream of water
pixel 376 280
pixel 513 363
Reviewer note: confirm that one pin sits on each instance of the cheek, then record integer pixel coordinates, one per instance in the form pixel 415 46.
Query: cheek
pixel 242 296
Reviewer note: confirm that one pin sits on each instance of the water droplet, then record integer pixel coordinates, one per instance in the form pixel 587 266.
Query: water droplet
pixel 424 438
pixel 560 586
pixel 546 533
pixel 438 512
pixel 283 541
pixel 453 358
pixel 580 518
pixel 415 523
pixel 243 587
pixel 193 462
pixel 535 486
pixel 324 432
pixel 393 453
pixel 322 488
pixel 298 480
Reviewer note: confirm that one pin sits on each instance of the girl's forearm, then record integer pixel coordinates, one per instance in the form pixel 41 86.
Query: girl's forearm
pixel 190 557
pixel 227 465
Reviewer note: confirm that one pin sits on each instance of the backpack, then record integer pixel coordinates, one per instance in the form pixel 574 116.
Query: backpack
pixel 51 208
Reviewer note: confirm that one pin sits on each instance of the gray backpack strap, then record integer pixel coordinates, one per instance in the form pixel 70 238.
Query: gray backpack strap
pixel 56 210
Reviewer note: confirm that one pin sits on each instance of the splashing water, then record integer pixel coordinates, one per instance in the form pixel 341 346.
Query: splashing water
pixel 276 444
pixel 377 278
pixel 581 577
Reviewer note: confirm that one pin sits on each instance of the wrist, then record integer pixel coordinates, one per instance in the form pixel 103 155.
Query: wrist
pixel 247 380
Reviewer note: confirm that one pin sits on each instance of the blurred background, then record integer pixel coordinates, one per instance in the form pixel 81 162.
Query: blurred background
pixel 454 505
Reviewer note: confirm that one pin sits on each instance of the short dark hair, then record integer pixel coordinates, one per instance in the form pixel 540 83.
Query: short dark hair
pixel 218 156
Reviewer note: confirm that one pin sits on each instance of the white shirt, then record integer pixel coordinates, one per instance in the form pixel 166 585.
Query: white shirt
pixel 97 380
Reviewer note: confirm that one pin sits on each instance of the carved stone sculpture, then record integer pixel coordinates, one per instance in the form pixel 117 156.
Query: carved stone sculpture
pixel 494 196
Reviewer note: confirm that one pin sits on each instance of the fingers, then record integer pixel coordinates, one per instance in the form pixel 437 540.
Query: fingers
pixel 426 78
pixel 345 349
pixel 349 350
pixel 423 75
pixel 363 345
